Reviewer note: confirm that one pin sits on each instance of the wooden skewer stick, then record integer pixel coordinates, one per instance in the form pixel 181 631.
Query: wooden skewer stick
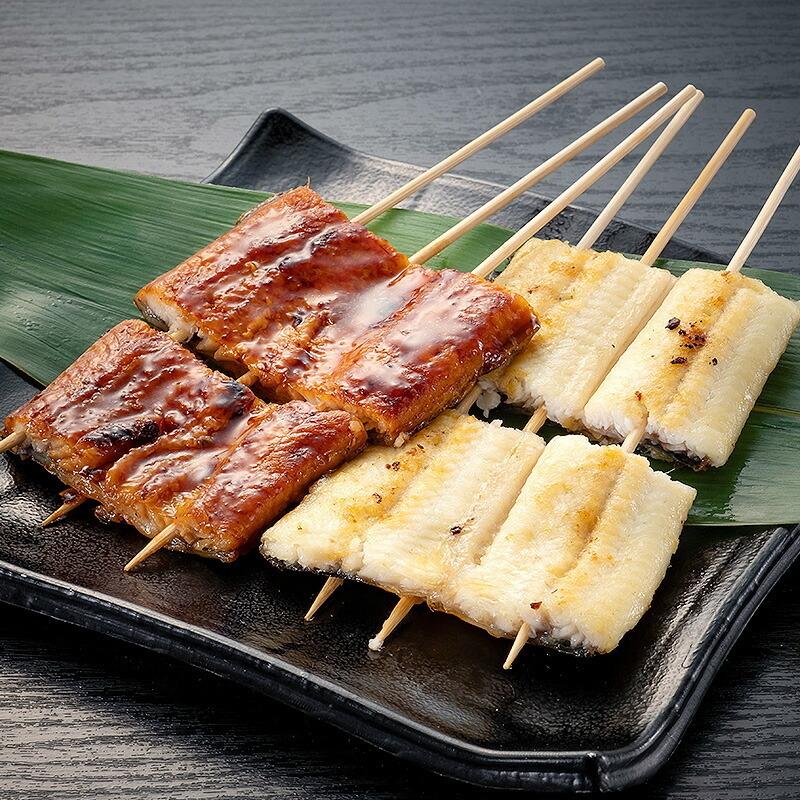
pixel 553 209
pixel 765 215
pixel 540 173
pixel 64 509
pixel 480 142
pixel 399 613
pixel 153 546
pixel 12 440
pixel 521 639
pixel 328 588
pixel 696 190
pixel 638 173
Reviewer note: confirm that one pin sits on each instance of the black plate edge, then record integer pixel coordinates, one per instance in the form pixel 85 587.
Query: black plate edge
pixel 579 771
pixel 265 118
pixel 296 688
pixel 639 761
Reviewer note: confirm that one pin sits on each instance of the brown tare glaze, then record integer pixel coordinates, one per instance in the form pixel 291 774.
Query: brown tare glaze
pixel 129 388
pixel 323 310
pixel 283 450
pixel 140 425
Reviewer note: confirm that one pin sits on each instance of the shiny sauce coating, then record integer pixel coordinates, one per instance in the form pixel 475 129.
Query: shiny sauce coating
pixel 322 309
pixel 142 426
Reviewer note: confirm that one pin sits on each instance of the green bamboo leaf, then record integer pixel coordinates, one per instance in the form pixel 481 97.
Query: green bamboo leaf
pixel 76 243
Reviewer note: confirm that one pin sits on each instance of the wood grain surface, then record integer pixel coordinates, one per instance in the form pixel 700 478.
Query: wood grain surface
pixel 169 89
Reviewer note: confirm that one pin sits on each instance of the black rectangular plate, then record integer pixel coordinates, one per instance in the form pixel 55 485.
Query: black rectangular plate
pixel 436 694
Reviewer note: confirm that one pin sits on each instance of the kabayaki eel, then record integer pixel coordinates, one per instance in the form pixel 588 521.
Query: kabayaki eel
pixel 162 442
pixel 310 305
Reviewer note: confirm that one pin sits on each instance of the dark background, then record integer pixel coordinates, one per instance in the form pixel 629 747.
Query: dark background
pixel 169 89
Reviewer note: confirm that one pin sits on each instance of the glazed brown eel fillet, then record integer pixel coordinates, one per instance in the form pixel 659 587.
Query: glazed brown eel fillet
pixel 143 427
pixel 321 309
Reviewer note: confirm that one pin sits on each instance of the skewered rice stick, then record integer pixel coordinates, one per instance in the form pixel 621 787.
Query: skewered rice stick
pixel 569 195
pixel 479 142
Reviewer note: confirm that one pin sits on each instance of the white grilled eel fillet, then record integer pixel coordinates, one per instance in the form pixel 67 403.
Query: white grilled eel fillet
pixel 590 306
pixel 582 551
pixel 406 519
pixel 694 372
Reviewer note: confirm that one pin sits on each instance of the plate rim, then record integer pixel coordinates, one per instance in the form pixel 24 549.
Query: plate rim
pixel 590 769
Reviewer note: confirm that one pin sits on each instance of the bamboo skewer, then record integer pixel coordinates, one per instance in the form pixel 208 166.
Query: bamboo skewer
pixel 399 613
pixel 765 215
pixel 644 166
pixel 691 98
pixel 540 173
pixel 12 440
pixel 153 546
pixel 554 208
pixel 479 142
pixel 65 508
pixel 696 190
pixel 328 588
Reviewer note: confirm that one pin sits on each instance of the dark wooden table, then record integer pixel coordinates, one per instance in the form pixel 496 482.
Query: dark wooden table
pixel 169 89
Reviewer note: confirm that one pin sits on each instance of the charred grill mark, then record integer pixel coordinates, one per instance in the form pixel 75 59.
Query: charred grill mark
pixel 121 437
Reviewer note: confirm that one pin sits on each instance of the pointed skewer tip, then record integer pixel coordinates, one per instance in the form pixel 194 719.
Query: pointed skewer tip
pixel 328 588
pixel 62 511
pixel 399 613
pixel 12 440
pixel 159 541
pixel 520 641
